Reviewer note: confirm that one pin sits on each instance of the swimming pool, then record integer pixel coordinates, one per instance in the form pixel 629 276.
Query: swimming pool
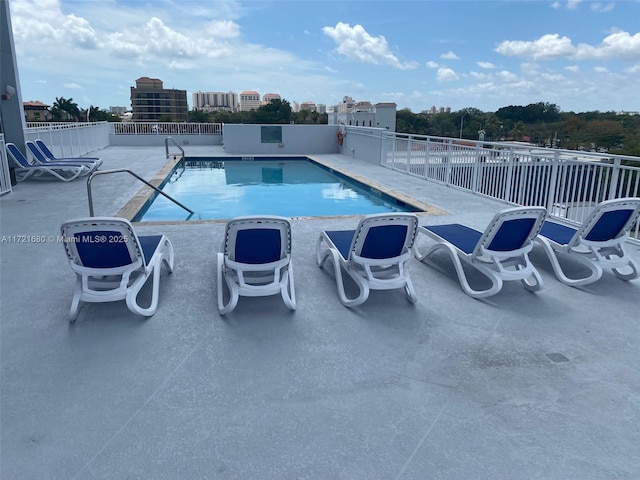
pixel 226 187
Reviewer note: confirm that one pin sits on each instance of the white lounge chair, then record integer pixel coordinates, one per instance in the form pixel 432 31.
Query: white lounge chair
pixel 598 242
pixel 46 151
pixel 374 255
pixel 40 159
pixel 255 261
pixel 500 252
pixel 24 169
pixel 113 263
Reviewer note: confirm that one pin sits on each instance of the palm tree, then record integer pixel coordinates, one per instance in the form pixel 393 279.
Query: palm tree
pixel 65 109
pixel 518 130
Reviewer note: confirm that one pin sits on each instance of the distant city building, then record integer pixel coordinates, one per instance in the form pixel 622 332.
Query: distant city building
pixel 118 110
pixel 36 111
pixel 295 107
pixel 151 102
pixel 249 100
pixel 321 108
pixel 214 101
pixel 346 105
pixel 364 114
pixel 310 106
pixel 270 96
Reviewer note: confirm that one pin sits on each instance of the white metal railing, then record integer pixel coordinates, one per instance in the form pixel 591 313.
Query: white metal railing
pixel 70 139
pixel 164 128
pixel 568 183
pixel 5 177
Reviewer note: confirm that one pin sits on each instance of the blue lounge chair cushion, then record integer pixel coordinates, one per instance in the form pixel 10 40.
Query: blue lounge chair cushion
pixel 512 235
pixel 96 252
pixel 258 245
pixel 101 249
pixel 385 241
pixel 561 234
pixel 609 225
pixel 342 240
pixel 461 236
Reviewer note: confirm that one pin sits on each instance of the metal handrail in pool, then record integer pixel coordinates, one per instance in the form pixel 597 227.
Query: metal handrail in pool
pixel 104 172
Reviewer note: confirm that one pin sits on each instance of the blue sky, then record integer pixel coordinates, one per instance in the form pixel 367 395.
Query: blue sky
pixel 580 55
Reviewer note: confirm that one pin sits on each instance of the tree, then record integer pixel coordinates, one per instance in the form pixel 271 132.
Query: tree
pixel 198 116
pixel 276 111
pixel 65 109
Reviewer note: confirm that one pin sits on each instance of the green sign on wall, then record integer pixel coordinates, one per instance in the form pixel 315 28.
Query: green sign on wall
pixel 271 134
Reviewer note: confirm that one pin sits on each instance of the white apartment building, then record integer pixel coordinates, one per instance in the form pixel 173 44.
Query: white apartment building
pixel 249 100
pixel 213 101
pixel 364 114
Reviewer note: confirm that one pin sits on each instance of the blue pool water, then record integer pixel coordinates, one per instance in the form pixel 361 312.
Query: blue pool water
pixel 217 189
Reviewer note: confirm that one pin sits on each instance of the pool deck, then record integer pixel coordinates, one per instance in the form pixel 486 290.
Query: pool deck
pixel 517 386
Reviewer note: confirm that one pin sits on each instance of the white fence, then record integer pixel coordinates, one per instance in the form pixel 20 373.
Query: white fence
pixel 70 139
pixel 568 183
pixel 168 128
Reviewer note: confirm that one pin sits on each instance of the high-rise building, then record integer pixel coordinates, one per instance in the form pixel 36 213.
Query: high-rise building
pixel 249 100
pixel 213 101
pixel 151 102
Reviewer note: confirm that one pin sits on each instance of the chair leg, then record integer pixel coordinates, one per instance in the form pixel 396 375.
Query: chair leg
pixel 496 281
pixel 221 279
pixel 627 276
pixel 534 282
pixel 75 302
pixel 288 288
pixel 594 267
pixel 322 256
pixel 410 291
pixel 134 290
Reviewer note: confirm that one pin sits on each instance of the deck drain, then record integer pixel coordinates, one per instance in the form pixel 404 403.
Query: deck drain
pixel 557 357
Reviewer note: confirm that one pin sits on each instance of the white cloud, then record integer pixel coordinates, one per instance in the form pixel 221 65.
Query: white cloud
pixel 546 47
pixel 432 64
pixel 573 4
pixel 600 69
pixel 355 43
pixel 572 68
pixel 618 45
pixel 449 56
pixel 446 75
pixel 602 7
pixel 487 65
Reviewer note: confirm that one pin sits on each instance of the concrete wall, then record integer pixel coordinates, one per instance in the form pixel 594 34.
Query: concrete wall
pixel 158 140
pixel 363 143
pixel 296 139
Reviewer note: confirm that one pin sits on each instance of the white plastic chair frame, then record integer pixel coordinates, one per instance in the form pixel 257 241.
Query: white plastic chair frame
pixel 596 254
pixel 254 279
pixel 387 273
pixel 24 169
pixel 124 282
pixel 498 266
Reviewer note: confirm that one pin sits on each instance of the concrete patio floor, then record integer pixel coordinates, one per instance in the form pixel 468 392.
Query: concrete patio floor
pixel 517 386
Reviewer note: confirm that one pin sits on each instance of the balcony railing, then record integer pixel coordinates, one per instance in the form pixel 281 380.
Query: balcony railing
pixel 164 128
pixel 568 183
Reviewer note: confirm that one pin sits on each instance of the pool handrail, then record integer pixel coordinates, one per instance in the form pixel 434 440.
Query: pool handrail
pixel 126 170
